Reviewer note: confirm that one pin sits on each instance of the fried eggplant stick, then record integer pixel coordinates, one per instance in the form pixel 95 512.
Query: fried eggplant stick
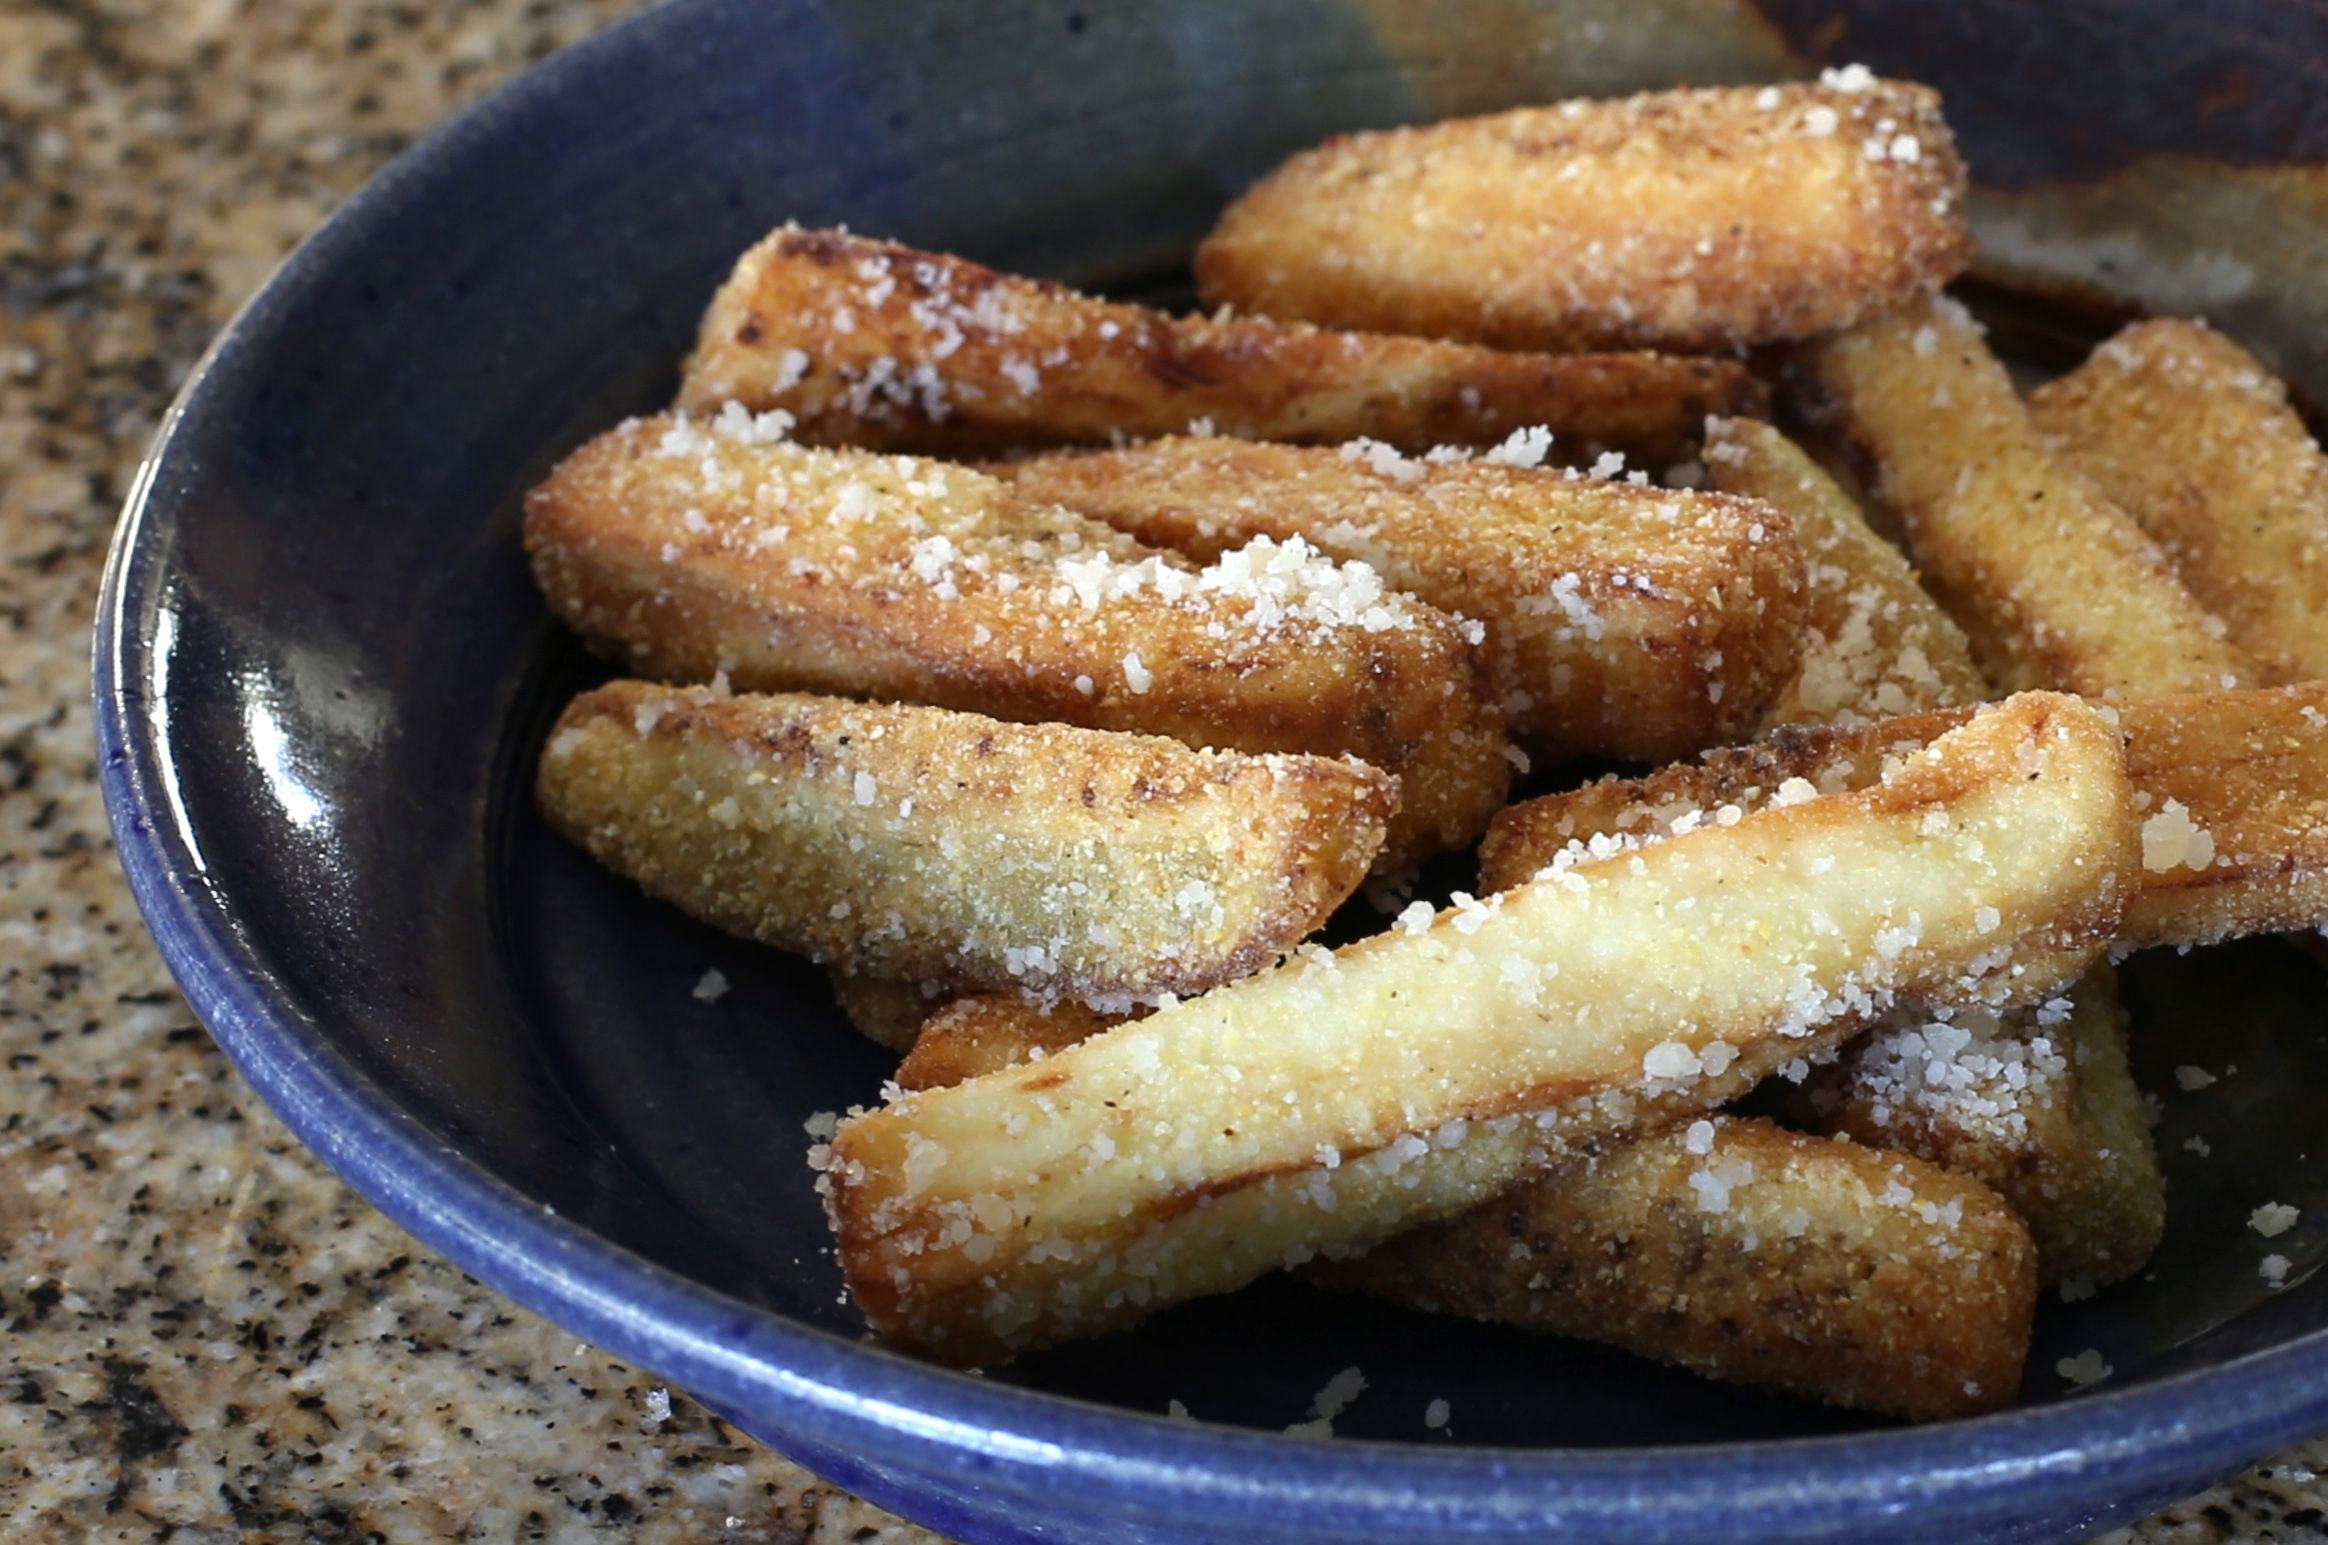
pixel 2234 786
pixel 2194 438
pixel 1640 623
pixel 869 343
pixel 690 547
pixel 908 842
pixel 1749 1253
pixel 2054 585
pixel 2039 1104
pixel 1696 220
pixel 1732 1247
pixel 1877 645
pixel 1295 1112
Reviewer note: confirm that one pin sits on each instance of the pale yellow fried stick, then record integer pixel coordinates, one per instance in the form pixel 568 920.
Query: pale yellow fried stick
pixel 908 842
pixel 1295 1111
pixel 2039 1105
pixel 2234 786
pixel 2054 585
pixel 870 343
pixel 1640 623
pixel 1699 219
pixel 2194 438
pixel 1876 643
pixel 693 547
pixel 1732 1247
pixel 1750 1253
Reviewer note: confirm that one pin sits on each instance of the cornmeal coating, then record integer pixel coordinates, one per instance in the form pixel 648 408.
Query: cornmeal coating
pixel 1732 1247
pixel 2038 1104
pixel 1640 623
pixel 1750 1253
pixel 2054 585
pixel 691 547
pixel 907 842
pixel 1298 1111
pixel 1703 219
pixel 2233 786
pixel 2194 438
pixel 1877 644
pixel 870 343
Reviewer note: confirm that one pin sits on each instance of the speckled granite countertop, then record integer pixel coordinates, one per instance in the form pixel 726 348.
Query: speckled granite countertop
pixel 208 1337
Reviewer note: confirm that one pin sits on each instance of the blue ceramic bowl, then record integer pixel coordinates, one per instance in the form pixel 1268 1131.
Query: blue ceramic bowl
pixel 323 672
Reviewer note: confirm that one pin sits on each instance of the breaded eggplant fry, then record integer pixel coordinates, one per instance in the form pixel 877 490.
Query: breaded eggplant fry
pixel 1696 220
pixel 907 842
pixel 874 344
pixel 1732 1247
pixel 2038 1104
pixel 2194 438
pixel 2234 786
pixel 1640 623
pixel 1296 1111
pixel 2054 585
pixel 987 1032
pixel 1751 1253
pixel 1877 644
pixel 688 548
pixel 887 1013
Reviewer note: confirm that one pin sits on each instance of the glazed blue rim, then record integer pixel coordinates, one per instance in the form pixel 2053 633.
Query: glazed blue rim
pixel 905 1418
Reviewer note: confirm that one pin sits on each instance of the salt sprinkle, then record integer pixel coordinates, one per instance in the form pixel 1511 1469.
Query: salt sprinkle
pixel 711 986
pixel 2273 1219
pixel 2085 1368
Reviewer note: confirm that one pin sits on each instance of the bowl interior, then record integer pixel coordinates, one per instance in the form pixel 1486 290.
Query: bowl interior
pixel 345 671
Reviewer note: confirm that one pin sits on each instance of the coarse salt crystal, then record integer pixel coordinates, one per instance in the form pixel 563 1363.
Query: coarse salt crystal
pixel 1700 1137
pixel 2189 1078
pixel 2274 1270
pixel 2085 1368
pixel 863 789
pixel 2273 1219
pixel 711 986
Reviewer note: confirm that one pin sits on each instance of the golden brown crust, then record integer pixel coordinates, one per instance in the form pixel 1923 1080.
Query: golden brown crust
pixel 690 547
pixel 2054 585
pixel 2249 768
pixel 910 843
pixel 988 1032
pixel 1798 1262
pixel 1747 1252
pixel 1640 623
pixel 1876 643
pixel 943 356
pixel 2194 438
pixel 2038 1104
pixel 1295 1111
pixel 886 1013
pixel 1698 219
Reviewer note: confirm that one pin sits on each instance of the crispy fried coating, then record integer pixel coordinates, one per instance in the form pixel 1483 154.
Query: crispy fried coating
pixel 1876 643
pixel 874 344
pixel 884 1012
pixel 1640 623
pixel 987 1032
pixel 2234 786
pixel 1296 1111
pixel 907 842
pixel 1751 1253
pixel 691 547
pixel 2054 585
pixel 2194 438
pixel 1740 1249
pixel 1696 220
pixel 2038 1104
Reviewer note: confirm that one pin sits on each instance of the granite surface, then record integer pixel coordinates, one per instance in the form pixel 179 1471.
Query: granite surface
pixel 208 1337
